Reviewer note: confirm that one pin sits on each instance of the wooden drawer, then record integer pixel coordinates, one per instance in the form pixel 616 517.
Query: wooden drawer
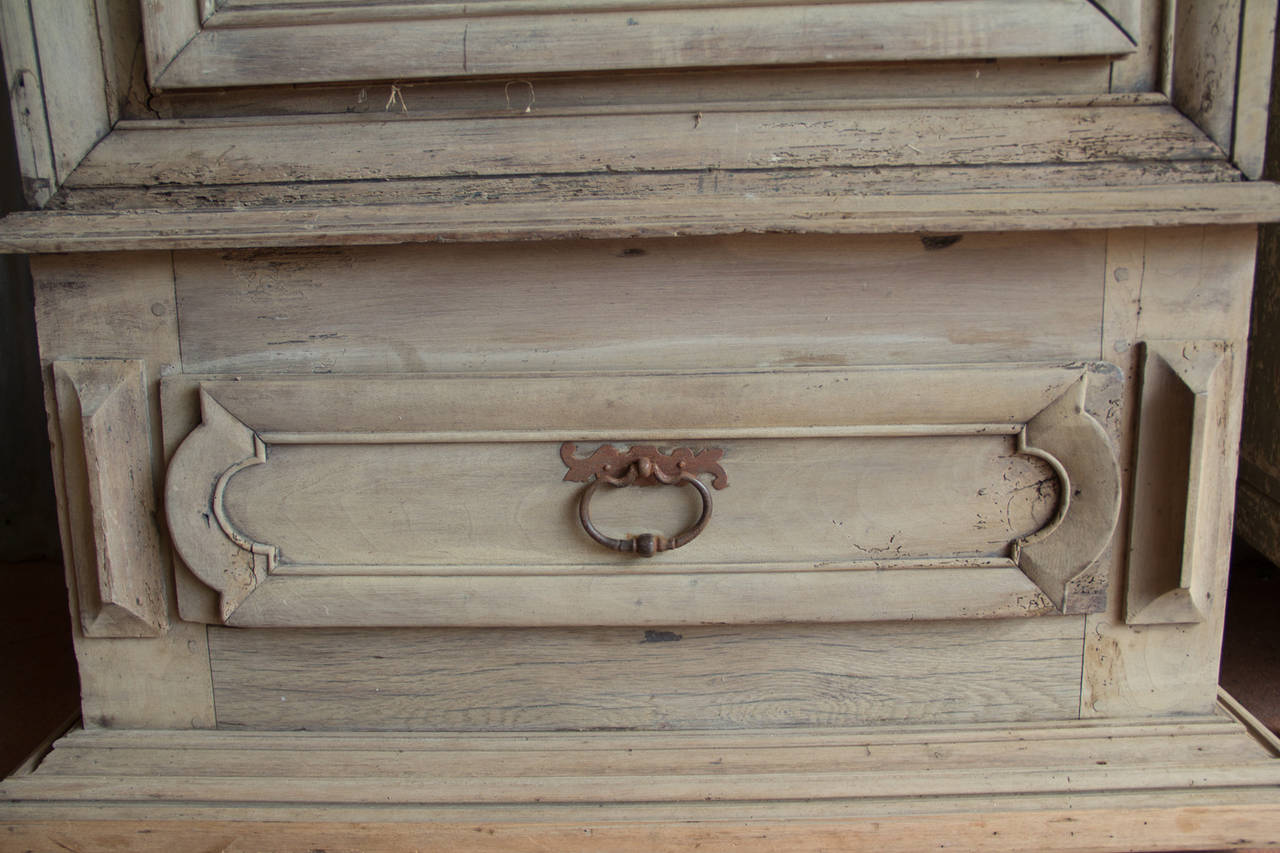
pixel 842 495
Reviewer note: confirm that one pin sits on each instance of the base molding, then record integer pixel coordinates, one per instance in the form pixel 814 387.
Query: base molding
pixel 1181 783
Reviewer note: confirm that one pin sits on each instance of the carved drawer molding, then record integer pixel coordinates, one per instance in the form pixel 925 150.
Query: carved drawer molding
pixel 859 494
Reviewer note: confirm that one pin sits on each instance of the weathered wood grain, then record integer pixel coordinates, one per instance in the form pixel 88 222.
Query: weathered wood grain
pixel 680 678
pixel 780 86
pixel 229 151
pixel 847 303
pixel 121 307
pixel 832 182
pixel 299 47
pixel 1189 282
pixel 1253 90
pixel 1205 55
pixel 1164 580
pixel 110 492
pixel 342 225
pixel 1072 785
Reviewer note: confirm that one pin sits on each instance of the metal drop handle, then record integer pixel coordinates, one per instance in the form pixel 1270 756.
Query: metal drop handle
pixel 645 544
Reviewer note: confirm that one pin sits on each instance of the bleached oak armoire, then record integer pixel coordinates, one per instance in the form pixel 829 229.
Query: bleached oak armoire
pixel 636 425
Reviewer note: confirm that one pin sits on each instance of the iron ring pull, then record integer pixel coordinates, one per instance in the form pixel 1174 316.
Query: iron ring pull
pixel 644 544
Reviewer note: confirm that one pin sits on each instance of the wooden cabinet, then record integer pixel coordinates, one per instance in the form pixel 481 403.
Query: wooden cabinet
pixel 917 326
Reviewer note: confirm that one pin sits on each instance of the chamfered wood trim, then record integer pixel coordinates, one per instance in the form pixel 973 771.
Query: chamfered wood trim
pixel 266 47
pixel 1181 407
pixel 115 544
pixel 339 225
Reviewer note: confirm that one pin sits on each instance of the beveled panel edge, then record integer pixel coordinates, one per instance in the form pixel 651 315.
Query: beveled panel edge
pixel 116 555
pixel 1191 372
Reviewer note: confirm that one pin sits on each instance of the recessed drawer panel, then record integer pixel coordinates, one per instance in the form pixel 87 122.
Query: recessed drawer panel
pixel 820 495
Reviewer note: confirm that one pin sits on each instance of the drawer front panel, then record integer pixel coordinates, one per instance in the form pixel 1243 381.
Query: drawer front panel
pixel 315 501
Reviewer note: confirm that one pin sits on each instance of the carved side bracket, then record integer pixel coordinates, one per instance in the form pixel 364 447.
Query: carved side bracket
pixel 214 550
pixel 1076 446
pixel 119 567
pixel 1175 430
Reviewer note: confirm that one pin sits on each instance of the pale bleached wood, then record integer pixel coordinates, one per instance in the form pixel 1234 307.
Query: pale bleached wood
pixel 1126 14
pixel 275 524
pixel 26 102
pixel 57 89
pixel 338 225
pixel 637 187
pixel 116 551
pixel 198 743
pixel 1064 829
pixel 168 26
pixel 1193 282
pixel 1253 86
pixel 499 790
pixel 802 505
pixel 779 86
pixel 465 759
pixel 247 13
pixel 728 597
pixel 122 307
pixel 972 301
pixel 1141 70
pixel 1175 420
pixel 302 51
pixel 1205 50
pixel 1177 801
pixel 228 151
pixel 709 678
pixel 73 79
pixel 1081 453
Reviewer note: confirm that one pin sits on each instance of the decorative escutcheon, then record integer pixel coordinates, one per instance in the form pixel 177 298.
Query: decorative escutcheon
pixel 643 466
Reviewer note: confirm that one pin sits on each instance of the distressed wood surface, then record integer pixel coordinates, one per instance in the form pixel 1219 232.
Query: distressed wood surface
pixel 678 677
pixel 1016 79
pixel 1176 284
pixel 269 452
pixel 1195 204
pixel 1179 395
pixel 121 307
pixel 1073 786
pixel 815 183
pixel 1205 50
pixel 365 148
pixel 26 103
pixel 1253 89
pixel 847 302
pixel 265 47
pixel 116 553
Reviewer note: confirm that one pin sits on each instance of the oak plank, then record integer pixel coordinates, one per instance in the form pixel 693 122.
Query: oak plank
pixel 1013 79
pixel 223 152
pixel 713 678
pixel 1185 827
pixel 340 225
pixel 1190 282
pixel 1253 90
pixel 302 51
pixel 122 307
pixel 254 311
pixel 637 187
